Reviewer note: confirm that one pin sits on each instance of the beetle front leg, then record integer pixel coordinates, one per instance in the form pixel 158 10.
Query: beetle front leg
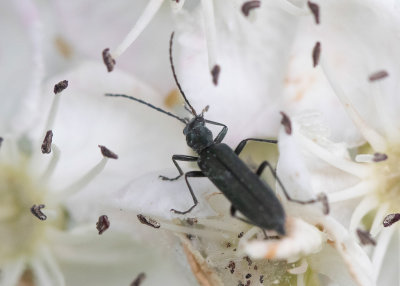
pixel 197 174
pixel 176 158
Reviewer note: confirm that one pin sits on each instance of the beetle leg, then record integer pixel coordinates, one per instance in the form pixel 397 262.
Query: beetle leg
pixel 197 174
pixel 221 134
pixel 178 158
pixel 241 145
pixel 320 197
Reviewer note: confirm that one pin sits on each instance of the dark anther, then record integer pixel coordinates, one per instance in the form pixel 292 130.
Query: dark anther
pixel 324 200
pixel 286 123
pixel 36 211
pixel 378 157
pixel 148 221
pixel 315 10
pixel 215 74
pixel 240 234
pixel 46 145
pixel 139 279
pixel 108 60
pixel 255 267
pixel 378 75
pixel 365 237
pixel 249 261
pixel 248 282
pixel 228 244
pixel 191 221
pixel 261 279
pixel 391 219
pixel 59 87
pixel 102 224
pixel 248 275
pixel 1 140
pixel 107 152
pixel 316 52
pixel 240 283
pixel 250 5
pixel 232 266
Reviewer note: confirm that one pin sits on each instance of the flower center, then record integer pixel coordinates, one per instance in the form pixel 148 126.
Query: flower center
pixel 388 174
pixel 20 230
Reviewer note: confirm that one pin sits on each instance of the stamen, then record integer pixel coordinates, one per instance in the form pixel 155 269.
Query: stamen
pixel 360 189
pixel 378 75
pixel 107 152
pixel 59 87
pixel 53 163
pixel 84 180
pixel 286 123
pixel 364 207
pixel 301 269
pixel 102 224
pixel 148 221
pixel 377 225
pixel 323 198
pixel 316 53
pixel 343 164
pixel 151 9
pixel 250 5
pixel 365 237
pixel 36 211
pixel 1 140
pixel 140 278
pixel 46 145
pixel 261 279
pixel 376 140
pixel 381 249
pixel 315 10
pixel 215 74
pixel 209 22
pixel 108 60
pixel 379 157
pixel 391 219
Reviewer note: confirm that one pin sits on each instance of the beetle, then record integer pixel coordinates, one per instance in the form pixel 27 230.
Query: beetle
pixel 218 162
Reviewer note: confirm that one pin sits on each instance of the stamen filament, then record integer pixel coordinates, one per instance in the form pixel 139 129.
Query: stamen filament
pixel 377 223
pixel 292 9
pixel 358 170
pixel 381 249
pixel 52 164
pixel 207 233
pixel 52 113
pixel 376 140
pixel 83 181
pixel 300 280
pixel 151 9
pixel 360 189
pixel 364 207
pixel 211 35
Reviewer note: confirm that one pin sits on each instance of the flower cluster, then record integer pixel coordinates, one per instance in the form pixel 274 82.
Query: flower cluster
pixel 81 198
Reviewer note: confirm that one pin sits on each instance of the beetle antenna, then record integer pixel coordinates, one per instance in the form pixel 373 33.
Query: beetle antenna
pixel 175 78
pixel 148 104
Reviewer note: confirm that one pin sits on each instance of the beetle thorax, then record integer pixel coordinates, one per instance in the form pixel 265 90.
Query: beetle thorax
pixel 198 136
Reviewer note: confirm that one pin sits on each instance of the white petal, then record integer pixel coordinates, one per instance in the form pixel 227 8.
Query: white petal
pixel 252 57
pixel 114 258
pixel 21 61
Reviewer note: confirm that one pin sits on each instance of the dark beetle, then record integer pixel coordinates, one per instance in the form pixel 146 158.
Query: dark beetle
pixel 218 162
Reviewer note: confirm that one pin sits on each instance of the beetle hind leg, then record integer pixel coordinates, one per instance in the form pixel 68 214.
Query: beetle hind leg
pixel 321 197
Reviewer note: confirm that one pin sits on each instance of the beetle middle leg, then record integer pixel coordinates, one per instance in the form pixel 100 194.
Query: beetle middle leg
pixel 243 143
pixel 197 174
pixel 320 197
pixel 176 158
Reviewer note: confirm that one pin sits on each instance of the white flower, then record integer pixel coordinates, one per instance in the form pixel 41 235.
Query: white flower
pixel 361 182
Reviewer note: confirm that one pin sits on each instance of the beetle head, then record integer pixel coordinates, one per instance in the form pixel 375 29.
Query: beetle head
pixel 198 136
